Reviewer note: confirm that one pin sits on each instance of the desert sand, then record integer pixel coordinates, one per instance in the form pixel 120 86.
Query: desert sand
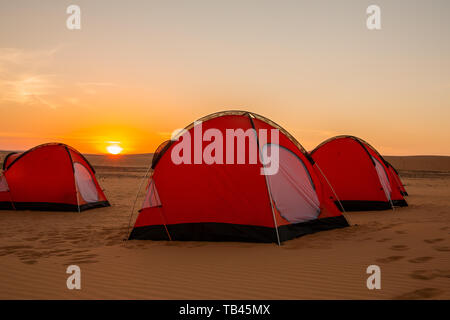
pixel 411 245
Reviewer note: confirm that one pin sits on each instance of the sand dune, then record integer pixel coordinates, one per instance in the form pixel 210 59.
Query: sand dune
pixel 411 245
pixel 420 163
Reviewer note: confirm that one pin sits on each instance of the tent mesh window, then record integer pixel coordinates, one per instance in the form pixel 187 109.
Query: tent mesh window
pixel 85 183
pixel 3 184
pixel 152 197
pixel 292 189
pixel 384 180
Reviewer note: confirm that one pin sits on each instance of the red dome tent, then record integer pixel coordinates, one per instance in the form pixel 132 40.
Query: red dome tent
pixel 234 201
pixel 51 176
pixel 359 175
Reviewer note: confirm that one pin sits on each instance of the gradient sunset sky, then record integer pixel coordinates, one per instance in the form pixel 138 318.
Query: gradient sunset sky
pixel 137 70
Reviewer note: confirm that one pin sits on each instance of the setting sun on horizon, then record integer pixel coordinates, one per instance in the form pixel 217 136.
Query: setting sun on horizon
pixel 114 148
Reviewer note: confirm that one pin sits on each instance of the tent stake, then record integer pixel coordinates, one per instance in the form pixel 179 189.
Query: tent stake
pixel 134 203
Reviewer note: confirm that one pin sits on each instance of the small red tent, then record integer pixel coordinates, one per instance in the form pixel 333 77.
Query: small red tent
pixel 358 173
pixel 233 201
pixel 51 176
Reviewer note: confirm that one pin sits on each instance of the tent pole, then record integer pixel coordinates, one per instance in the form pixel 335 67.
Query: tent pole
pixel 267 182
pixel 74 178
pixel 9 193
pixel 344 213
pixel 390 194
pixel 161 210
pixel 135 200
pixel 76 187
pixel 10 199
pixel 392 204
pixel 164 220
pixel 271 206
pixel 389 198
pixel 78 198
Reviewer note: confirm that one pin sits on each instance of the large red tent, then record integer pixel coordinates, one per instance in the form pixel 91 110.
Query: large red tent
pixel 51 176
pixel 235 202
pixel 359 175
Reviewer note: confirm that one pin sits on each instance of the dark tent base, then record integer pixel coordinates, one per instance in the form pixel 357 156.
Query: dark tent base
pixel 6 206
pixel 399 203
pixel 46 206
pixel 211 231
pixel 358 205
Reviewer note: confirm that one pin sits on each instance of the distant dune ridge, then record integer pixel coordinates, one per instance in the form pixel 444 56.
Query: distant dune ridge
pixel 411 245
pixel 420 163
pixel 402 163
pixel 133 160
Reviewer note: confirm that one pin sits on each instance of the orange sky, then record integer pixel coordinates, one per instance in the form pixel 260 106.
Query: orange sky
pixel 137 70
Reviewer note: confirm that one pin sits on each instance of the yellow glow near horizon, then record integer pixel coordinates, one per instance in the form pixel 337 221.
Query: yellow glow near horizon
pixel 114 149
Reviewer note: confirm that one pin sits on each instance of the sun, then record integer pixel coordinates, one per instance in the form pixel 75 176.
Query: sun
pixel 114 149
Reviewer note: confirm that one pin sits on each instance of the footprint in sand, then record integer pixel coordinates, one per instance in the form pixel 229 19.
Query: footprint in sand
pixel 83 262
pixel 384 240
pixel 399 247
pixel 430 274
pixel 424 293
pixel 423 274
pixel 441 248
pixel 389 259
pixel 401 232
pixel 433 240
pixel 420 259
pixel 31 239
